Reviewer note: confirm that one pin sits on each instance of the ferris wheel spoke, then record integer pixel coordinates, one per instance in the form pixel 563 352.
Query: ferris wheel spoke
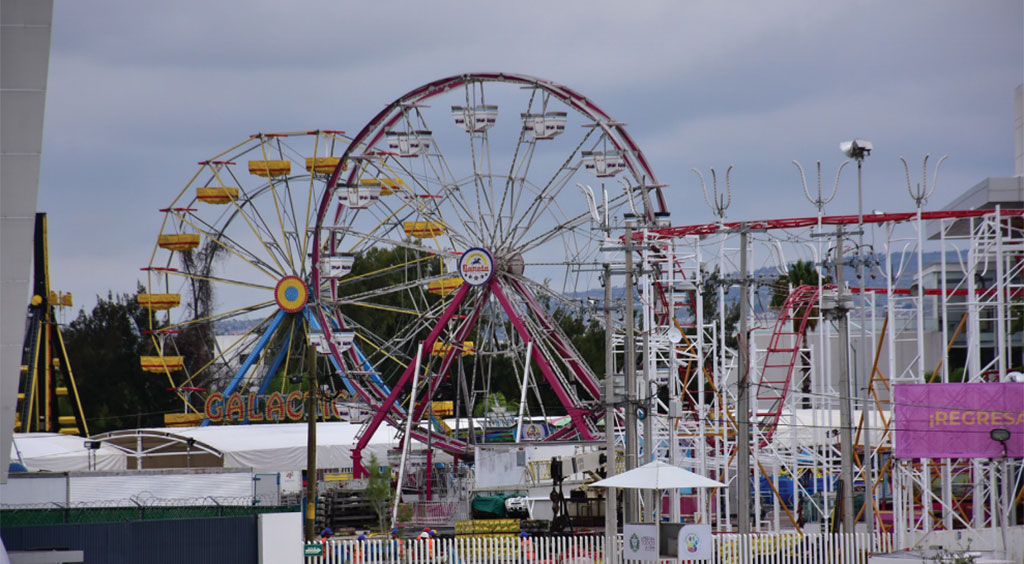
pixel 259 226
pixel 557 232
pixel 233 248
pixel 452 188
pixel 426 205
pixel 392 289
pixel 547 194
pixel 208 278
pixel 278 205
pixel 222 355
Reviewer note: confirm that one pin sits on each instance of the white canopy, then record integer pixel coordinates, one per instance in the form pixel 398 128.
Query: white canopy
pixel 281 447
pixel 268 448
pixel 658 475
pixel 53 452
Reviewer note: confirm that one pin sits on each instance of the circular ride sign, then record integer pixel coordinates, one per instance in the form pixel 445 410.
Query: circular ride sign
pixel 291 294
pixel 476 266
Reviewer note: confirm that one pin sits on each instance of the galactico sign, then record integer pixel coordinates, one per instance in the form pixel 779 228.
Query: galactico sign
pixel 476 266
pixel 954 420
pixel 252 408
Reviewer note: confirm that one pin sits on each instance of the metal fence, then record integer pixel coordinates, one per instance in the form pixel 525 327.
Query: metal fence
pixel 781 548
pixel 133 509
pixel 434 513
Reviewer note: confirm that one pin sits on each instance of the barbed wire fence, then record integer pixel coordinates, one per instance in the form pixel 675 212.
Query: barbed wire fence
pixel 137 508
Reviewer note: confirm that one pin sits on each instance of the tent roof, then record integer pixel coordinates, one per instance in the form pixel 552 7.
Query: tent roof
pixel 658 475
pixel 53 452
pixel 279 447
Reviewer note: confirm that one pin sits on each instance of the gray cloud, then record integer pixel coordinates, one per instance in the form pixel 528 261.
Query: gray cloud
pixel 139 92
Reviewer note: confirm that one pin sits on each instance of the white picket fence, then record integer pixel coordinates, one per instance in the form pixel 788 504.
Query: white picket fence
pixel 780 548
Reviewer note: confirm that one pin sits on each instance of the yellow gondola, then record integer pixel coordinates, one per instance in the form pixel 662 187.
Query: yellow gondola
pixel 388 186
pixel 445 286
pixel 161 364
pixel 217 194
pixel 441 349
pixel 179 242
pixel 159 301
pixel 424 229
pixel 267 169
pixel 319 165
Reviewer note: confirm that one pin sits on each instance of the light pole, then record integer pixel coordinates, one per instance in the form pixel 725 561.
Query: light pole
pixel 857 150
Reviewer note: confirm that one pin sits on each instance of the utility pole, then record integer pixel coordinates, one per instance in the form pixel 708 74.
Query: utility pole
pixel 611 522
pixel 311 387
pixel 858 149
pixel 863 355
pixel 843 302
pixel 742 401
pixel 629 365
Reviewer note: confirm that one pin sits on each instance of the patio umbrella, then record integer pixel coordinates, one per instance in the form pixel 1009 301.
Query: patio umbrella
pixel 658 475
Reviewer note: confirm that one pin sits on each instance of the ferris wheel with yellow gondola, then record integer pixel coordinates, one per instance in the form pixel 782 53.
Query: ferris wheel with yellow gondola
pixel 227 285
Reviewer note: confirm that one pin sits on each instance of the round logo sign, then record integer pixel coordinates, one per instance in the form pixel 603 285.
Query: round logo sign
pixel 291 294
pixel 476 266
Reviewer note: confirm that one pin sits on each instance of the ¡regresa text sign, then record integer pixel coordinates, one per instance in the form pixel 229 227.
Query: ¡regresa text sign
pixel 954 420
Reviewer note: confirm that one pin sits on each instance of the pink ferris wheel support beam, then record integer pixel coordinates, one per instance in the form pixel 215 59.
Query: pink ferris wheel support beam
pixel 358 470
pixel 576 413
pixel 451 353
pixel 567 352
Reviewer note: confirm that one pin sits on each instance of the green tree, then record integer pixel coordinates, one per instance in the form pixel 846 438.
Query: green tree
pixel 380 309
pixel 104 348
pixel 379 492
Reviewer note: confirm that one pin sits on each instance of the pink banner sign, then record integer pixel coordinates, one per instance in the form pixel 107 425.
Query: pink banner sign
pixel 954 420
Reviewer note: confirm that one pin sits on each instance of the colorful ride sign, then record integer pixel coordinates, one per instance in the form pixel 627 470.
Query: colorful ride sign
pixel 954 420
pixel 291 294
pixel 476 266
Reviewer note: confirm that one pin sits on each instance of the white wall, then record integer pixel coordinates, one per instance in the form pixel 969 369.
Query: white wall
pixel 33 489
pixel 26 31
pixel 280 538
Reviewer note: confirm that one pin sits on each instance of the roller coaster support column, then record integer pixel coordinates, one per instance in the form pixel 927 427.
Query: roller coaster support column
pixel 742 401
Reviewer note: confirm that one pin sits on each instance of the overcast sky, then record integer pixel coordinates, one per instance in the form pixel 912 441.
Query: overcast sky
pixel 139 91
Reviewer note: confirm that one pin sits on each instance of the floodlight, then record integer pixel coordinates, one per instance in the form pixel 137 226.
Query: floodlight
pixel 856 149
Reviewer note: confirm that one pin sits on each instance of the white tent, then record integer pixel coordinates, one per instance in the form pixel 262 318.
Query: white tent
pixel 53 452
pixel 267 448
pixel 281 447
pixel 658 475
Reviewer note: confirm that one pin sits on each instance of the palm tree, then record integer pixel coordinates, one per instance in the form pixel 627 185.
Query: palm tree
pixel 800 273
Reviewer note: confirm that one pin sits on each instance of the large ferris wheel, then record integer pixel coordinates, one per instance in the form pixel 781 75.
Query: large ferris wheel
pixel 493 235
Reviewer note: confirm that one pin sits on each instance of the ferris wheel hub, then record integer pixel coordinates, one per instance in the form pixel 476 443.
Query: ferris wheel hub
pixel 291 294
pixel 514 265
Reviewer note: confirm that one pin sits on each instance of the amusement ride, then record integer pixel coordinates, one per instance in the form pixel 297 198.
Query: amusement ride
pixel 432 253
